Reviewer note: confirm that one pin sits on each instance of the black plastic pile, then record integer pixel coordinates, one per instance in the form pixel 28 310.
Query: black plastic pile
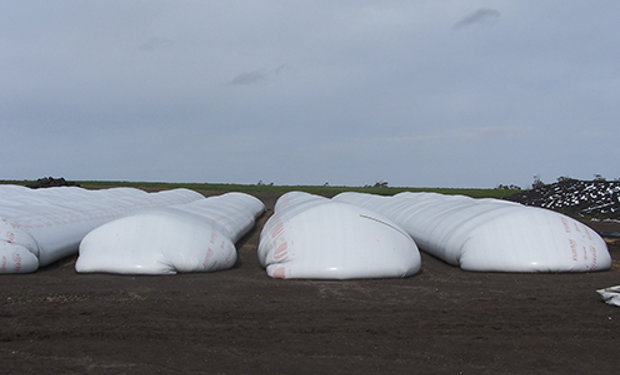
pixel 47 182
pixel 598 199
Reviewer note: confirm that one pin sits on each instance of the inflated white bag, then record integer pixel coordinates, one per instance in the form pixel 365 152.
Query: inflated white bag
pixel 41 226
pixel 491 234
pixel 314 237
pixel 193 237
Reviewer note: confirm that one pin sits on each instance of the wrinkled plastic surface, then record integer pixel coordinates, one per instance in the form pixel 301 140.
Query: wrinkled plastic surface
pixel 314 237
pixel 41 226
pixel 195 237
pixel 611 295
pixel 491 234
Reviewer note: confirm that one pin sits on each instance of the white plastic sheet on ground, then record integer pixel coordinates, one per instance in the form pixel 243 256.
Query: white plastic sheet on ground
pixel 41 226
pixel 491 234
pixel 195 237
pixel 611 295
pixel 314 237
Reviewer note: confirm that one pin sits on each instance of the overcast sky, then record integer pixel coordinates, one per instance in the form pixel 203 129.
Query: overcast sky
pixel 450 93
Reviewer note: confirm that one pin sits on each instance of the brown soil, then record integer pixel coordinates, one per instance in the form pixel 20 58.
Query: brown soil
pixel 239 321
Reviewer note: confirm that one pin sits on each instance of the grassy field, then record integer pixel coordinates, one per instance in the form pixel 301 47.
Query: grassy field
pixel 321 190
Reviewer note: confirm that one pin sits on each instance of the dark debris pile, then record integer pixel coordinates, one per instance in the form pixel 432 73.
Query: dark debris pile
pixel 599 199
pixel 47 182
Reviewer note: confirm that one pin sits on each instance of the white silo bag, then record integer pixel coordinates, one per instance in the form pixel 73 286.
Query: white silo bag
pixel 491 234
pixel 195 237
pixel 314 237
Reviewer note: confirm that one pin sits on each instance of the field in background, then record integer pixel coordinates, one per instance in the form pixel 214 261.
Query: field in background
pixel 268 188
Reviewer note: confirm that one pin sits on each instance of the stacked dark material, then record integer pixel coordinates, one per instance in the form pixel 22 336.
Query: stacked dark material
pixel 597 198
pixel 47 182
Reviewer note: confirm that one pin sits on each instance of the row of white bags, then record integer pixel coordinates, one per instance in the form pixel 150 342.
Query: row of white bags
pixel 39 227
pixel 489 234
pixel 352 235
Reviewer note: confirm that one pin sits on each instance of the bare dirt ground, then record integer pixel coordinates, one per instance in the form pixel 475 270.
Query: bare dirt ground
pixel 239 321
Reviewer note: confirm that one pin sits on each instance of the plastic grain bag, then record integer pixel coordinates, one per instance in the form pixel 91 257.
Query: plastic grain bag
pixel 611 295
pixel 491 234
pixel 195 237
pixel 39 227
pixel 314 237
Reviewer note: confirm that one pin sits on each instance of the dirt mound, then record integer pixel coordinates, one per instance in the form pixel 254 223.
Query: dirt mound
pixel 47 182
pixel 599 199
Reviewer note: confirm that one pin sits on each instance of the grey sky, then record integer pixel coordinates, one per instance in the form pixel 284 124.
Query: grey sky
pixel 416 93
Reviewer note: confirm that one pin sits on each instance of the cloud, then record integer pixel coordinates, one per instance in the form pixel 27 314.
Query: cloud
pixel 155 43
pixel 249 78
pixel 480 16
pixel 255 76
